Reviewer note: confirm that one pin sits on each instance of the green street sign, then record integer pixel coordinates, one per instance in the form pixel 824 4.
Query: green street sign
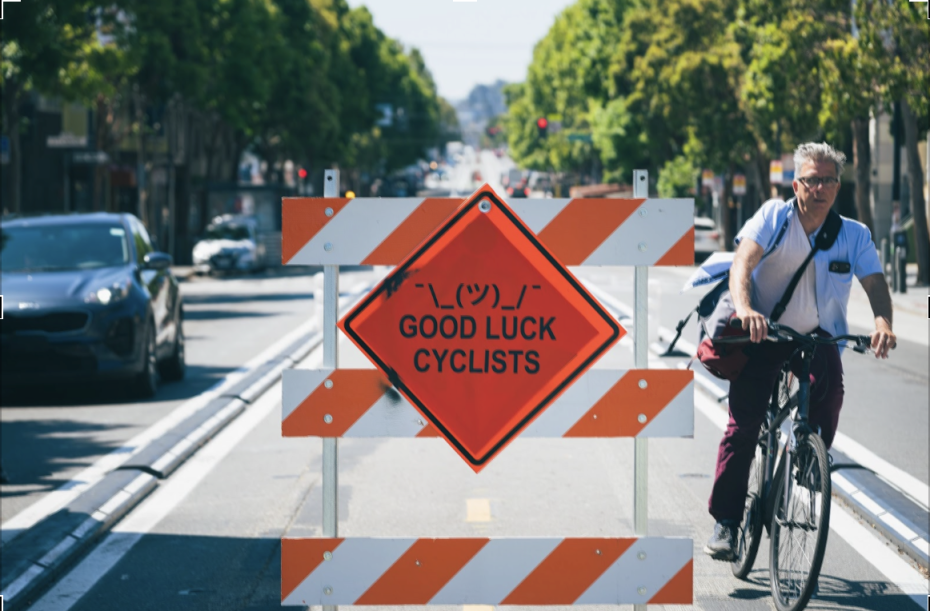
pixel 579 137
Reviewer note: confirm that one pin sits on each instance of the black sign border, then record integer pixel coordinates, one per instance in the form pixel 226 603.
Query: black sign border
pixel 396 277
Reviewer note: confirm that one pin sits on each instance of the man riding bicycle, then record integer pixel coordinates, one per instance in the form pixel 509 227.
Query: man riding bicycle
pixel 818 304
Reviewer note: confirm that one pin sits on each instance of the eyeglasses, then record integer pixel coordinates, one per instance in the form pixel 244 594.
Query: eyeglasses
pixel 812 182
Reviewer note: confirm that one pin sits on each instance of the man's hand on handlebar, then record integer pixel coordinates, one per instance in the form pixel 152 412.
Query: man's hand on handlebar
pixel 883 340
pixel 754 323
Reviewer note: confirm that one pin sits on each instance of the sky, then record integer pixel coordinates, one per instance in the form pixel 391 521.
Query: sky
pixel 468 43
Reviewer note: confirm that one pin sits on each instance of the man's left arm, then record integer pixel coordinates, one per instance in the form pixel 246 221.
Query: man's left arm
pixel 883 338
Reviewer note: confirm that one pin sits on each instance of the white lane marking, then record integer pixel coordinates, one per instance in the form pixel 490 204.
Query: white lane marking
pixel 67 492
pixel 152 510
pixel 912 487
pixel 887 517
pixel 918 491
pixel 877 553
pixel 70 490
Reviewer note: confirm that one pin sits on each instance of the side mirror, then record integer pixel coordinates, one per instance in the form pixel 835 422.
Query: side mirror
pixel 157 260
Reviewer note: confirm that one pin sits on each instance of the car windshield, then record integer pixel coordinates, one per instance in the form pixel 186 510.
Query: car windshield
pixel 63 247
pixel 227 232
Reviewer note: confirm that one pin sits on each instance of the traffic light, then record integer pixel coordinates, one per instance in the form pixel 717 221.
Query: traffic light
pixel 302 173
pixel 542 124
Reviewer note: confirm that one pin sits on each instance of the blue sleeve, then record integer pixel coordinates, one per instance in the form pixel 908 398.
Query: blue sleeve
pixel 761 227
pixel 866 255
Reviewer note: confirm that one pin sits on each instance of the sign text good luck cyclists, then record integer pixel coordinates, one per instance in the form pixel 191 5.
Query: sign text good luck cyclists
pixel 480 327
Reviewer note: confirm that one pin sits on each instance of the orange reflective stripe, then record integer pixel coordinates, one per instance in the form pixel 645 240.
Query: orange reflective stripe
pixel 422 571
pixel 682 253
pixel 617 412
pixel 352 393
pixel 301 219
pixel 431 212
pixel 567 572
pixel 299 558
pixel 679 590
pixel 583 225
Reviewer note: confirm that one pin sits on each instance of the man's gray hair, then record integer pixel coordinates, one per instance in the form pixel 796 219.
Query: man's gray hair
pixel 818 151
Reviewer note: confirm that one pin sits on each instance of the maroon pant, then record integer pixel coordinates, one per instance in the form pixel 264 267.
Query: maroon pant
pixel 749 396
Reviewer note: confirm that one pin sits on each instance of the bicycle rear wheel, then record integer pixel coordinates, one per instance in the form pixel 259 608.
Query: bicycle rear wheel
pixel 800 526
pixel 751 530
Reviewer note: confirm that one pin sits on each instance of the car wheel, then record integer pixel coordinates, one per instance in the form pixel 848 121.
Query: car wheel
pixel 145 383
pixel 174 367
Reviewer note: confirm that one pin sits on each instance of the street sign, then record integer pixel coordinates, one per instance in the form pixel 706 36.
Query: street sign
pixel 707 178
pixel 66 140
pixel 481 328
pixel 776 172
pixel 91 157
pixel 739 184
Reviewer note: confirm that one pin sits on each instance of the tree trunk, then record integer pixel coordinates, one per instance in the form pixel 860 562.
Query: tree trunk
pixel 726 215
pixel 916 176
pixel 762 166
pixel 863 166
pixel 11 101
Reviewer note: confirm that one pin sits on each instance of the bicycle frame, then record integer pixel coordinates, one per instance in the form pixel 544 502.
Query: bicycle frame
pixel 778 463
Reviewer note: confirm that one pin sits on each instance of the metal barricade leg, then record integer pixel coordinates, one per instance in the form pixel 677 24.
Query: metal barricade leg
pixel 640 361
pixel 330 359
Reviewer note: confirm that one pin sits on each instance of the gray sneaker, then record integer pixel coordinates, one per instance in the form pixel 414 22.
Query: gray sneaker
pixel 722 544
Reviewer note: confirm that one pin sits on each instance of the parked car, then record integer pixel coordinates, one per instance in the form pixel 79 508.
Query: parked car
pixel 229 244
pixel 706 238
pixel 88 298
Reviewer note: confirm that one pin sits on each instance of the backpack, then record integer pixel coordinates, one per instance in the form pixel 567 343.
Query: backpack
pixel 714 311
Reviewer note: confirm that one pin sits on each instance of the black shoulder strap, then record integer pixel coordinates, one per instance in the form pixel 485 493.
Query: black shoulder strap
pixel 824 240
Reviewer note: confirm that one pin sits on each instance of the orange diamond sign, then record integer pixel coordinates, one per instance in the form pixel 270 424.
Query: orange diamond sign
pixel 481 328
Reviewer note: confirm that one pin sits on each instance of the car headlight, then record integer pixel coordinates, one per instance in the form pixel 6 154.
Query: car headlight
pixel 106 295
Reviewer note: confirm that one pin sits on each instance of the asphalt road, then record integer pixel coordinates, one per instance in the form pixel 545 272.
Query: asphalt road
pixel 208 536
pixel 50 435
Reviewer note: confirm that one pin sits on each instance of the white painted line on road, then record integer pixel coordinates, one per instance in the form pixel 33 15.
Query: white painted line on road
pixel 915 489
pixel 866 542
pixel 152 510
pixel 885 516
pixel 70 490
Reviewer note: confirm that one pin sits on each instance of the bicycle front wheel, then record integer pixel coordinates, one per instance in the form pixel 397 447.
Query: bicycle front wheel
pixel 800 525
pixel 750 532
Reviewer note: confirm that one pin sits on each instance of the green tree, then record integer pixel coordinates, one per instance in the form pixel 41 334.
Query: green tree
pixel 568 82
pixel 682 70
pixel 46 38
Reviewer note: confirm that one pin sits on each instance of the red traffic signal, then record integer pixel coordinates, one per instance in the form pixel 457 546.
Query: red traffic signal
pixel 542 123
pixel 302 173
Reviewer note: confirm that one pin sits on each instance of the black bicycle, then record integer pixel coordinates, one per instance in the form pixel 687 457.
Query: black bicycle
pixel 789 483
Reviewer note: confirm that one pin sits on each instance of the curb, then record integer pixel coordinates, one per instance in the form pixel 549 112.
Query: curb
pixel 37 556
pixel 39 553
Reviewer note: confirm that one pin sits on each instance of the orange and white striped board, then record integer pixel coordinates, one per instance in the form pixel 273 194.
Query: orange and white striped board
pixel 518 571
pixel 374 231
pixel 602 403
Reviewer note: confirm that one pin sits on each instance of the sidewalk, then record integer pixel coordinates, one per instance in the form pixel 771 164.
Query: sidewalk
pixel 915 300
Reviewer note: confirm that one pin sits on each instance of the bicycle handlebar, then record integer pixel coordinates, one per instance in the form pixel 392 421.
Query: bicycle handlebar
pixel 863 342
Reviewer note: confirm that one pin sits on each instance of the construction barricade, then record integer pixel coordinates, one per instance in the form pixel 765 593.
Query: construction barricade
pixel 557 331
